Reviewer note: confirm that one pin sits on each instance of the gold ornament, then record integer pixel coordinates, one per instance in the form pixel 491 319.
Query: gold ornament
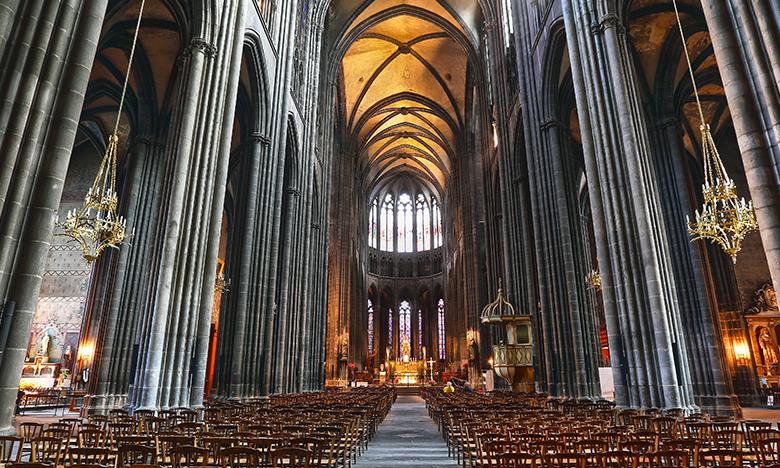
pixel 96 225
pixel 593 280
pixel 725 218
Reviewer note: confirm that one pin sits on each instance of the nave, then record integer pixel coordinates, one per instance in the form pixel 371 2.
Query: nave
pixel 247 224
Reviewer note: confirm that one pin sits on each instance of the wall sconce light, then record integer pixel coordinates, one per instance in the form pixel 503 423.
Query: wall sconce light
pixel 741 350
pixel 490 361
pixel 86 352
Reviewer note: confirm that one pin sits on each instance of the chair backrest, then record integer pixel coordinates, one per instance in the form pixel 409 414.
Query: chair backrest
pixel 30 430
pixel 90 455
pixel 240 456
pixel 291 458
pixel 187 455
pixel 517 460
pixel 720 457
pixel 92 438
pixel 46 450
pixel 131 454
pixel 769 450
pixel 672 458
pixel 11 449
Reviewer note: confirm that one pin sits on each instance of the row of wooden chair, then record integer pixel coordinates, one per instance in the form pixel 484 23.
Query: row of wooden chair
pixel 512 430
pixel 319 429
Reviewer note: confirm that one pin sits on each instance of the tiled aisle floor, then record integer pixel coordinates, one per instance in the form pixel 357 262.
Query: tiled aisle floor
pixel 406 438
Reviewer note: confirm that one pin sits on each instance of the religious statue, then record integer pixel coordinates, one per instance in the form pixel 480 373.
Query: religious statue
pixel 768 350
pixel 44 349
pixel 473 353
pixel 67 360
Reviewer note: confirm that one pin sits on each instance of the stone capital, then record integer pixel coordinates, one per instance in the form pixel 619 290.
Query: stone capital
pixel 608 21
pixel 261 138
pixel 550 124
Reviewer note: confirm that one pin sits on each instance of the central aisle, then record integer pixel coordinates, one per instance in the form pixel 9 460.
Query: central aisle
pixel 408 438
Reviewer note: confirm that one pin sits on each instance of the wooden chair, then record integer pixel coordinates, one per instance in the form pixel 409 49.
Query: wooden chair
pixel 46 450
pixel 11 449
pixel 618 459
pixel 186 456
pixel 768 451
pixel 89 455
pixel 92 438
pixel 690 446
pixel 238 457
pixel 291 458
pixel 316 445
pixel 563 460
pixel 671 458
pixel 130 454
pixel 518 460
pixel 30 430
pixel 720 457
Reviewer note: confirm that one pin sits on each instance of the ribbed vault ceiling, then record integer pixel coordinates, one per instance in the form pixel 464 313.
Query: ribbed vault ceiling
pixel 404 87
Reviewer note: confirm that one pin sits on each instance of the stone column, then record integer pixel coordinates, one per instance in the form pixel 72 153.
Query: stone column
pixel 699 312
pixel 639 271
pixel 130 282
pixel 185 263
pixel 745 40
pixel 35 213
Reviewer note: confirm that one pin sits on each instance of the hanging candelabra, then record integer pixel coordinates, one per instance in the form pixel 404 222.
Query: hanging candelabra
pixel 96 226
pixel 725 218
pixel 593 280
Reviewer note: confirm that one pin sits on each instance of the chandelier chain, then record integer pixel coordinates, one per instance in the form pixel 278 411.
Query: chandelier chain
pixel 129 66
pixel 688 61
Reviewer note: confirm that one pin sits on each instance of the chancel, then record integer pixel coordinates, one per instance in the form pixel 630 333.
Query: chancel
pixel 381 233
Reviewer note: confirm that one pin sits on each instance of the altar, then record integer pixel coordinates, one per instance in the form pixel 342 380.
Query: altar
pixel 407 370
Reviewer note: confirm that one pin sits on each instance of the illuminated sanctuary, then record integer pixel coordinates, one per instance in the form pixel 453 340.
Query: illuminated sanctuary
pixel 213 213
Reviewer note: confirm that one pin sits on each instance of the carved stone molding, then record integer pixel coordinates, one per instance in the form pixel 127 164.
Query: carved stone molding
pixel 764 300
pixel 261 138
pixel 608 21
pixel 550 124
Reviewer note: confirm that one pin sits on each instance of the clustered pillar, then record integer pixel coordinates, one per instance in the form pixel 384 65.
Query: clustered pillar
pixel 46 60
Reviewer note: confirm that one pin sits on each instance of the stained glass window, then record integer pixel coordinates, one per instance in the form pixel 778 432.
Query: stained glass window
pixel 423 224
pixel 437 238
pixel 440 313
pixel 405 223
pixel 372 223
pixel 386 224
pixel 404 323
pixel 390 331
pixel 419 335
pixel 370 327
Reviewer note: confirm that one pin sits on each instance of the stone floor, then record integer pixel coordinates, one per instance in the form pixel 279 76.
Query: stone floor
pixel 407 438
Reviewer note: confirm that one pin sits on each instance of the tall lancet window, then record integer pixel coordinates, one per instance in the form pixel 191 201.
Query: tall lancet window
pixel 386 224
pixel 419 335
pixel 437 238
pixel 405 223
pixel 423 224
pixel 440 313
pixel 404 324
pixel 373 214
pixel 370 327
pixel 390 333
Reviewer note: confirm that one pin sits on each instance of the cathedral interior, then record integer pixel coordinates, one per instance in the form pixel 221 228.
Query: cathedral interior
pixel 347 226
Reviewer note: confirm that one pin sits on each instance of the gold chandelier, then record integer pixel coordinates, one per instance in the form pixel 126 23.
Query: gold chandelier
pixel 96 225
pixel 725 218
pixel 593 280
